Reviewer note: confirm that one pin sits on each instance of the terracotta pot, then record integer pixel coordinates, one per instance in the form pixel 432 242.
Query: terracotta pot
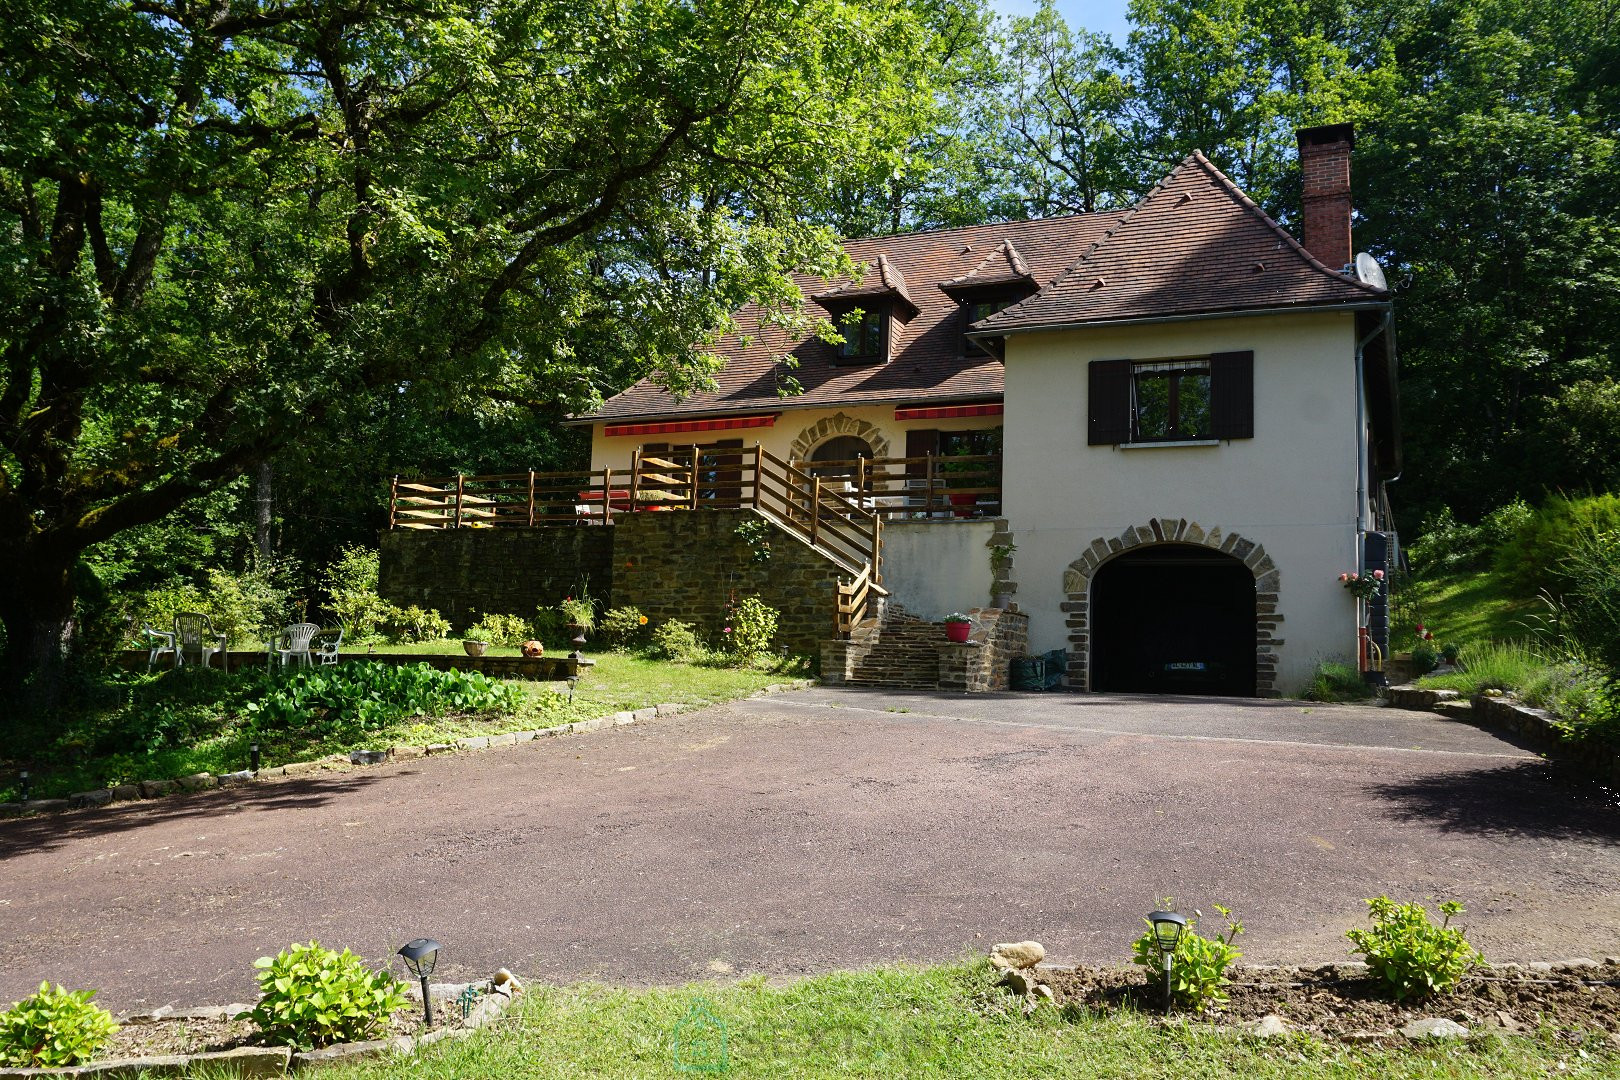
pixel 533 649
pixel 957 631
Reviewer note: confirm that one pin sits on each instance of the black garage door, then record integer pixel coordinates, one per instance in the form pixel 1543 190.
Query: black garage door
pixel 1173 619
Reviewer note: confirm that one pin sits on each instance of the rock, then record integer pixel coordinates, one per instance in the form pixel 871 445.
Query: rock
pixel 477 742
pixel 235 779
pixel 1611 961
pixel 647 714
pixel 1017 954
pixel 151 789
pixel 1017 981
pixel 1576 963
pixel 1541 966
pixel 1269 1026
pixel 624 718
pixel 248 1060
pixel 506 983
pixel 1043 992
pixel 405 753
pixel 1505 1019
pixel 197 781
pixel 98 797
pixel 126 792
pixel 367 757
pixel 162 1012
pixel 1434 1027
pixel 439 748
pixel 503 740
pixel 300 768
pixel 342 1052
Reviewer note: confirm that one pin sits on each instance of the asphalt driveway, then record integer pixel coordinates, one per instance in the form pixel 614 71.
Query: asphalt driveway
pixel 823 829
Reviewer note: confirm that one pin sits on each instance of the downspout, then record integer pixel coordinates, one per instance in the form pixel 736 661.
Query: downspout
pixel 1361 436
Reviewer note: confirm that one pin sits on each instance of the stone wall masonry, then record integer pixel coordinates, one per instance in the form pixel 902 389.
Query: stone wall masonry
pixel 465 573
pixel 1598 757
pixel 689 565
pixel 984 661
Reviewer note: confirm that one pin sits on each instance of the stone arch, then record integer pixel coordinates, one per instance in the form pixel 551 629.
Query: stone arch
pixel 1077 591
pixel 830 427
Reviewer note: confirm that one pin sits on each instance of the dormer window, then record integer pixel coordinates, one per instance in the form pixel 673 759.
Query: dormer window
pixel 981 308
pixel 863 333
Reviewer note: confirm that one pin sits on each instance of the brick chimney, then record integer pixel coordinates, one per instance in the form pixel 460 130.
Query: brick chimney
pixel 1324 165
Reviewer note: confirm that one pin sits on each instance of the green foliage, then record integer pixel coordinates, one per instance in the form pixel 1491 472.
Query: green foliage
pixel 551 628
pixel 351 588
pixel 246 606
pixel 415 624
pixel 1425 658
pixel 1541 553
pixel 1583 697
pixel 752 626
pixel 622 628
pixel 1337 681
pixel 367 696
pixel 1411 955
pixel 579 609
pixel 1445 545
pixel 311 996
pixel 755 534
pixel 505 630
pixel 1198 966
pixel 54 1028
pixel 677 641
pixel 1591 573
pixel 1491 665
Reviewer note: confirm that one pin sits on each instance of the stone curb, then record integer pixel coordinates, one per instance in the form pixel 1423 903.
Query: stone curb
pixel 257 1061
pixel 153 789
pixel 1594 756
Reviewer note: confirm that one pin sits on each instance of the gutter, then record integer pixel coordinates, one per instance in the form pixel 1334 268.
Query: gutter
pixel 1150 320
pixel 790 404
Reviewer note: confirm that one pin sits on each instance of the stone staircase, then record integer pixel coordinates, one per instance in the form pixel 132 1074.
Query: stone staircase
pixel 898 650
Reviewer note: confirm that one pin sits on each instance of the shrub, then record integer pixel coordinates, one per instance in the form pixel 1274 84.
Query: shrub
pixel 1582 697
pixel 368 696
pixel 1444 544
pixel 408 624
pixel 1409 953
pixel 622 628
pixel 1591 570
pixel 1335 680
pixel 507 630
pixel 1198 966
pixel 311 996
pixel 1494 665
pixel 550 627
pixel 1425 658
pixel 675 640
pixel 753 625
pixel 351 587
pixel 1539 553
pixel 54 1027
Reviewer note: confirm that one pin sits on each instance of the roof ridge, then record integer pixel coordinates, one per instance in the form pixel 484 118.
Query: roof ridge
pixel 1007 251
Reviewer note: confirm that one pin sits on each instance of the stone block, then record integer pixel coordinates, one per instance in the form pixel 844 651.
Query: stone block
pixel 408 753
pixel 98 797
pixel 301 768
pixel 475 742
pixel 247 1061
pixel 126 792
pixel 236 779
pixel 151 789
pixel 367 757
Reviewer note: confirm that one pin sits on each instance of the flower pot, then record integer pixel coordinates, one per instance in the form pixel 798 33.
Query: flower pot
pixel 475 648
pixel 957 631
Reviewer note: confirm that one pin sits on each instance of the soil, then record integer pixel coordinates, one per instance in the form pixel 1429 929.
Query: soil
pixel 1344 1002
pixel 192 1035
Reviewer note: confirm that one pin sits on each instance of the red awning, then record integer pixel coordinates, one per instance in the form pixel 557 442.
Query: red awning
pixel 946 412
pixel 670 427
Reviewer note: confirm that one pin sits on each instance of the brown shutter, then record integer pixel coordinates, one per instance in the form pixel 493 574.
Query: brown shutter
pixel 1109 402
pixel 1231 386
pixel 920 442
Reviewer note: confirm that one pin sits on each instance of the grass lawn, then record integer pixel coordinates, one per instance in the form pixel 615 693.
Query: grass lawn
pixel 184 726
pixel 1475 606
pixel 944 1021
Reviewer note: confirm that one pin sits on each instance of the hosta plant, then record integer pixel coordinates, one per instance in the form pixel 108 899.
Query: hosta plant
pixel 1198 966
pixel 54 1027
pixel 1412 955
pixel 312 996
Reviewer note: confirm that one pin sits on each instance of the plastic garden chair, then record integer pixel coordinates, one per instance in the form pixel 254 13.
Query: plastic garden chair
pixel 195 636
pixel 159 643
pixel 292 646
pixel 326 645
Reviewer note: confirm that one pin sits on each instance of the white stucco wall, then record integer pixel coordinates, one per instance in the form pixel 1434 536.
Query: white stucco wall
pixel 932 568
pixel 1291 488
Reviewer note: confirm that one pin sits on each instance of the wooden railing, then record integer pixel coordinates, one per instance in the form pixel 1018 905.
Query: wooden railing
pixel 960 486
pixel 831 522
pixel 503 500
pixel 852 603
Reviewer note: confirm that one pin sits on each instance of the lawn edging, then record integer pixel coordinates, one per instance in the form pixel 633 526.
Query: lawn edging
pixel 198 782
pixel 1595 756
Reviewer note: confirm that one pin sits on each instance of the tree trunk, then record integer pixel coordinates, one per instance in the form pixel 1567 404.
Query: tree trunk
pixel 36 608
pixel 261 524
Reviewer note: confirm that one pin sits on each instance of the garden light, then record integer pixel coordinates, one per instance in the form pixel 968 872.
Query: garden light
pixel 22 786
pixel 420 956
pixel 253 756
pixel 573 681
pixel 1167 930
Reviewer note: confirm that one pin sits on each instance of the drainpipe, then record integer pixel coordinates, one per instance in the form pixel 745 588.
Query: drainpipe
pixel 1361 439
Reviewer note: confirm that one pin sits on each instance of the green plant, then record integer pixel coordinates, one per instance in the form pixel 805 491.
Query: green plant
pixel 53 1028
pixel 351 588
pixel 1337 681
pixel 1425 658
pixel 1198 966
pixel 1539 553
pixel 1409 953
pixel 755 534
pixel 1363 586
pixel 505 630
pixel 311 996
pixel 622 628
pixel 753 625
pixel 676 640
pixel 958 617
pixel 579 610
pixel 416 624
pixel 1450 651
pixel 367 696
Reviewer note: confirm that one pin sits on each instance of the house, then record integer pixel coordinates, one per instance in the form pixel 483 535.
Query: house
pixel 1171 424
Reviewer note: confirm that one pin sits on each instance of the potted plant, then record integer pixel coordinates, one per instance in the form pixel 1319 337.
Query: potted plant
pixel 1000 559
pixel 957 626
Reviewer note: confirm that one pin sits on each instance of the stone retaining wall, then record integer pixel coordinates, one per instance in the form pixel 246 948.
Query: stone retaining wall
pixel 466 573
pixel 984 661
pixel 1599 757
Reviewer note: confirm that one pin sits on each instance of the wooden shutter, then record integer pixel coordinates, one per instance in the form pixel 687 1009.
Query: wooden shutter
pixel 1109 402
pixel 1231 388
pixel 920 442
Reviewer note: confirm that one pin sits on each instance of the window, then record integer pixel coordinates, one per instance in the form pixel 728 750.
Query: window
pixel 1170 400
pixel 1189 400
pixel 974 310
pixel 863 335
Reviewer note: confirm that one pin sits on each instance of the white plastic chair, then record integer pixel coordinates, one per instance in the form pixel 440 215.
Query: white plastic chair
pixel 195 635
pixel 159 643
pixel 292 645
pixel 326 649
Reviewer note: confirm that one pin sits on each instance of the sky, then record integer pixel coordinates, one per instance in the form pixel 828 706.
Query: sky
pixel 1098 16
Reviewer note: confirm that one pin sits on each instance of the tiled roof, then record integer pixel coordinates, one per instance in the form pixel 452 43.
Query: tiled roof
pixel 928 364
pixel 1194 245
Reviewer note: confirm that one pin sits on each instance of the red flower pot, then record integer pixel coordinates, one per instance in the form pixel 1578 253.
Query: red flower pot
pixel 957 631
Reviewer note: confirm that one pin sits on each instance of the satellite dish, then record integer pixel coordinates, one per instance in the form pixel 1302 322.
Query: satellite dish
pixel 1368 272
